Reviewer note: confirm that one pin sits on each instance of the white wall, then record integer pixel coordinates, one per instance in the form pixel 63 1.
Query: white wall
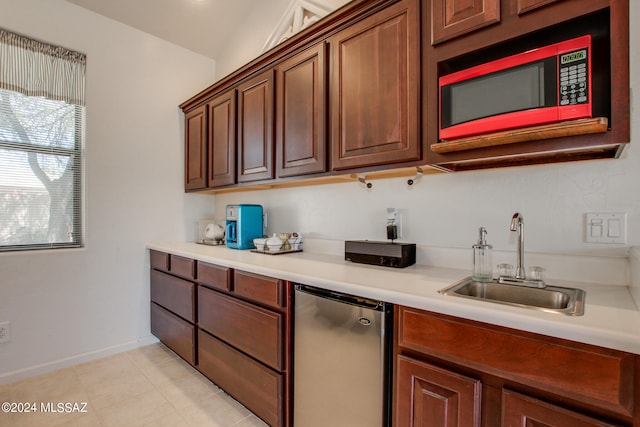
pixel 66 305
pixel 634 262
pixel 251 34
pixel 446 210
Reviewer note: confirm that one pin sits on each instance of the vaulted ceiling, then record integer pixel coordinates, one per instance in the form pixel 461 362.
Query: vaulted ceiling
pixel 203 26
pixel 208 27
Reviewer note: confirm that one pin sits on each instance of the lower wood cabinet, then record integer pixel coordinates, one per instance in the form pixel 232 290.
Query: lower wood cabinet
pixel 434 397
pixel 214 276
pixel 254 385
pixel 176 333
pixel 233 326
pixel 264 290
pixel 523 411
pixel 173 303
pixel 174 294
pixel 456 372
pixel 252 329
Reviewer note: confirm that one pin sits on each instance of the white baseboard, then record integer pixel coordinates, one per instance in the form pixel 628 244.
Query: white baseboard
pixel 31 371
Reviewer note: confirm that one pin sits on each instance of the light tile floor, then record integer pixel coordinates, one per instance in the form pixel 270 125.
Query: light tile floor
pixel 149 386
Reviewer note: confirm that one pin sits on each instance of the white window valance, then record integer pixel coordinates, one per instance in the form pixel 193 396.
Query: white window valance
pixel 34 68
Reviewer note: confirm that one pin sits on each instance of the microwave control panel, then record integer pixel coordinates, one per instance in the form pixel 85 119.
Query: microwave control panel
pixel 574 79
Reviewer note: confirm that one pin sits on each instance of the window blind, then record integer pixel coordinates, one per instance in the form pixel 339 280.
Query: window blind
pixel 41 144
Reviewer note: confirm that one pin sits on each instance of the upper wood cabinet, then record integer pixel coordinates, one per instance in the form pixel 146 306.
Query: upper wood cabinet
pixel 195 149
pixel 375 89
pixel 524 6
pixel 525 25
pixel 255 128
pixel 358 92
pixel 301 83
pixel 222 140
pixel 452 18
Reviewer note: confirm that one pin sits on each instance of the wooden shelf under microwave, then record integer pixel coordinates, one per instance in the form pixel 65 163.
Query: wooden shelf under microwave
pixel 534 133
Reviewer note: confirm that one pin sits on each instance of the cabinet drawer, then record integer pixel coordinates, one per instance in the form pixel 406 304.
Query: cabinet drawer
pixel 252 384
pixel 251 329
pixel 174 294
pixel 263 289
pixel 214 276
pixel 594 375
pixel 159 260
pixel 174 332
pixel 184 267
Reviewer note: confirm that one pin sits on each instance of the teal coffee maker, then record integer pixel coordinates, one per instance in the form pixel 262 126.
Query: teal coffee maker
pixel 244 223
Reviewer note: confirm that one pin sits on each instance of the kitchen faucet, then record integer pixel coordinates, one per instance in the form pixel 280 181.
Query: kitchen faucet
pixel 517 224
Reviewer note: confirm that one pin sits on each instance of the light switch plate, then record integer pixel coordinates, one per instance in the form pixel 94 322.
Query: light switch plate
pixel 606 228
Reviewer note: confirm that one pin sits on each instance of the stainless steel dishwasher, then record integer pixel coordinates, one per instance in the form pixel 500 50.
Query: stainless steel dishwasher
pixel 342 354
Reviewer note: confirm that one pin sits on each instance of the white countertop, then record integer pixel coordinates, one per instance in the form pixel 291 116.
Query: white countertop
pixel 611 318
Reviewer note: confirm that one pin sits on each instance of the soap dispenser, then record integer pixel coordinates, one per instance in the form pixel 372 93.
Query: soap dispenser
pixel 482 259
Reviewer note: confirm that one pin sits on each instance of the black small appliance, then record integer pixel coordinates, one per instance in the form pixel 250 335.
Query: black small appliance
pixel 387 254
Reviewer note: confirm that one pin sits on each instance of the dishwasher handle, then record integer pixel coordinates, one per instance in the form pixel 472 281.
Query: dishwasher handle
pixel 340 297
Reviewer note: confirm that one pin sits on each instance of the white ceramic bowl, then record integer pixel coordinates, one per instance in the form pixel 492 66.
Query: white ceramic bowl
pixel 260 243
pixel 275 248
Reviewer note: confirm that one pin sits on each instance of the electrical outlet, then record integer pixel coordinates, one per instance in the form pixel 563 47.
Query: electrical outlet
pixel 5 332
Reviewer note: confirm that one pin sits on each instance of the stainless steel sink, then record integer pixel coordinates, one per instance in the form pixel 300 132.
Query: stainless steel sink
pixel 553 299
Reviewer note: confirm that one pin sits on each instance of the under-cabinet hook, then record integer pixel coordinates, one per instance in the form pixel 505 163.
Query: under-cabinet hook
pixel 363 179
pixel 419 174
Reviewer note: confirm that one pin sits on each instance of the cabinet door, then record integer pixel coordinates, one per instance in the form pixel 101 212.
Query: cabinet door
pixel 453 18
pixel 301 113
pixel 222 140
pixel 255 128
pixel 523 411
pixel 195 152
pixel 523 6
pixel 435 397
pixel 375 89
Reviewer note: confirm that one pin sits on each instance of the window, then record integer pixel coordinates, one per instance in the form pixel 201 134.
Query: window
pixel 41 144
